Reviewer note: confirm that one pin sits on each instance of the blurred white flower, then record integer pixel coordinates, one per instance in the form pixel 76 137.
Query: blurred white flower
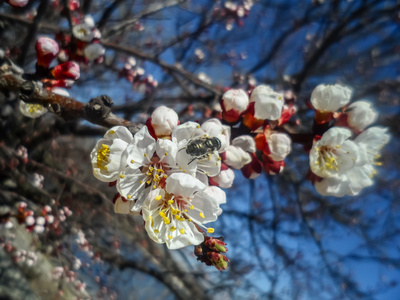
pixel 360 115
pixel 329 98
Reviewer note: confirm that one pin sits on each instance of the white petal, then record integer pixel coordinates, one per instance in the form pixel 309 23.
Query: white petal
pixel 246 142
pixel 183 184
pixel 236 157
pixel 360 115
pixel 187 131
pixel 218 194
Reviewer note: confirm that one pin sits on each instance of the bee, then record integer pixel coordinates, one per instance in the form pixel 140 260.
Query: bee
pixel 201 147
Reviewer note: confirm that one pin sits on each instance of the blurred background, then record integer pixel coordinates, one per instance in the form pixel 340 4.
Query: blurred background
pixel 285 241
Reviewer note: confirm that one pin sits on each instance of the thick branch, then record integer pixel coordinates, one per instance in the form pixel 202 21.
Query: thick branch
pixel 97 111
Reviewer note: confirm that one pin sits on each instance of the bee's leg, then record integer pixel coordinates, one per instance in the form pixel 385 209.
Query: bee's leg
pixel 181 149
pixel 192 160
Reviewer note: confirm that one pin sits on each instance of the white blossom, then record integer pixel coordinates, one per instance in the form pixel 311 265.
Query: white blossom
pixel 149 163
pixel 360 115
pixel 94 51
pixel 83 32
pixel 32 110
pixel 170 213
pixel 267 103
pixel 108 156
pixel 334 154
pixel 279 145
pixel 329 98
pixel 210 165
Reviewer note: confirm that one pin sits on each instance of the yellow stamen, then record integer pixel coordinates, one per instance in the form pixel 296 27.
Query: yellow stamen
pixel 129 196
pixel 111 131
pixel 122 176
pixel 132 161
pixel 158 198
pixel 202 216
pixel 210 230
pixel 173 228
pixel 170 237
pixel 182 231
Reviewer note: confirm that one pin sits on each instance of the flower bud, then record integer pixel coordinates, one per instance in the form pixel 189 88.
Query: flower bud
pixel 46 51
pixel 267 103
pixel 215 244
pixel 218 260
pixel 234 103
pixel 236 157
pixel 329 98
pixel 279 146
pixel 163 121
pixel 224 179
pixel 360 115
pixel 68 70
pixel 94 51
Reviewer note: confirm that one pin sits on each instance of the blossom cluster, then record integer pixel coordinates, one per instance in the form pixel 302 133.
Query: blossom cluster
pixel 53 78
pixel 262 116
pixel 136 75
pixel 343 159
pixel 160 174
pixel 232 13
pixel 83 45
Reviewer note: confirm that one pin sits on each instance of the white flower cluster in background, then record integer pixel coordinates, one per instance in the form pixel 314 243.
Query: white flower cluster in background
pixel 164 172
pixel 344 158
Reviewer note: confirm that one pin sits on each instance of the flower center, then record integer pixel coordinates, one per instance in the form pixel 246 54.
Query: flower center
pixel 327 159
pixel 32 108
pixel 102 157
pixel 173 209
pixel 154 175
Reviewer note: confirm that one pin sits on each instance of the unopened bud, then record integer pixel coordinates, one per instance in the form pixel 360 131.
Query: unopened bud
pixel 68 70
pixel 163 121
pixel 46 51
pixel 234 103
pixel 218 260
pixel 215 244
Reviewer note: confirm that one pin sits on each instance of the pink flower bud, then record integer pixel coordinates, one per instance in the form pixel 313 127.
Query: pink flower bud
pixel 163 121
pixel 218 260
pixel 68 70
pixel 234 103
pixel 46 51
pixel 236 157
pixel 17 3
pixel 279 146
pixel 224 179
